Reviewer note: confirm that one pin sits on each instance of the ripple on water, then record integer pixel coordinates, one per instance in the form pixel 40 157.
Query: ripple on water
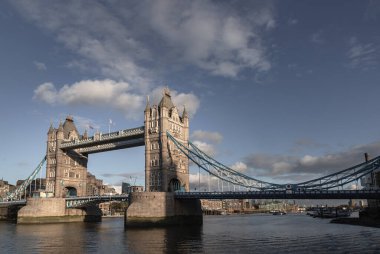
pixel 219 234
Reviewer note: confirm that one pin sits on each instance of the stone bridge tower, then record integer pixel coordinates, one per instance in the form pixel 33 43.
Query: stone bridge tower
pixel 66 172
pixel 166 168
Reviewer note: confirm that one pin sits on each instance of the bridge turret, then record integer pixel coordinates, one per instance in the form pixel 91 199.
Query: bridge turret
pixel 184 113
pixel 51 129
pixel 69 129
pixel 51 155
pixel 60 134
pixel 85 134
pixel 185 120
pixel 147 124
pixel 166 169
pixel 147 107
pixel 66 171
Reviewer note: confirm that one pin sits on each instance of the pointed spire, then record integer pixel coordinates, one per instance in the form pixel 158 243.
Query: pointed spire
pixel 85 135
pixel 51 129
pixel 60 127
pixel 166 100
pixel 184 114
pixel 147 104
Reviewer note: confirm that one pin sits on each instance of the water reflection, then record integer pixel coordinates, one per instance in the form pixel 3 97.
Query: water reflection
pixel 219 234
pixel 48 238
pixel 182 239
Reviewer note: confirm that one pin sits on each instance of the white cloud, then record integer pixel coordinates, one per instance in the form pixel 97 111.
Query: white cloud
pixel 40 66
pixel 308 160
pixel 189 100
pixel 205 182
pixel 363 56
pixel 308 166
pixel 93 32
pixel 205 147
pixel 214 137
pixel 46 92
pixel 239 166
pixel 195 178
pixel 84 123
pixel 110 93
pixel 127 40
pixel 206 141
pixel 93 93
pixel 213 38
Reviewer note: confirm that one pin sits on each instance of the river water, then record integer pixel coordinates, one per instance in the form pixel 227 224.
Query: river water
pixel 219 234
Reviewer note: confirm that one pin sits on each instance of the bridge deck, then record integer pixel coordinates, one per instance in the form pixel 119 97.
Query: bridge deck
pixel 332 194
pixel 106 142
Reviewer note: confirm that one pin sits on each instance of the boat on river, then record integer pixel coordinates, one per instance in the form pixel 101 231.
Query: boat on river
pixel 279 213
pixel 331 212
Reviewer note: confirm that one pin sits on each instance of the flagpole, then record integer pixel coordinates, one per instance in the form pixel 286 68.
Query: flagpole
pixel 109 126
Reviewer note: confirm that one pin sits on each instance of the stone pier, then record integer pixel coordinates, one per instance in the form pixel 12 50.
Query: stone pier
pixel 9 212
pixel 161 209
pixel 53 210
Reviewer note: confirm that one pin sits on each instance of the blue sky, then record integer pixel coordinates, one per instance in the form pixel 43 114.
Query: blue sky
pixel 281 90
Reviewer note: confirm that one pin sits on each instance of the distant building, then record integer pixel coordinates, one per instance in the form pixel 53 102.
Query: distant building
pixel 125 187
pixel 94 187
pixel 136 188
pixel 5 187
pixel 105 208
pixel 38 184
pixel 211 204
pixel 108 190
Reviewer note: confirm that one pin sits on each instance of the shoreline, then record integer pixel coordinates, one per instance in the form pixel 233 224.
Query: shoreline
pixel 366 222
pixel 112 216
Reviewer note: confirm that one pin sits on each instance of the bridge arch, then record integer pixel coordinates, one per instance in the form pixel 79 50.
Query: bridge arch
pixel 174 185
pixel 71 191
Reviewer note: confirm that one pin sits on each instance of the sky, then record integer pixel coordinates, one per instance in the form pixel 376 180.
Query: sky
pixel 284 91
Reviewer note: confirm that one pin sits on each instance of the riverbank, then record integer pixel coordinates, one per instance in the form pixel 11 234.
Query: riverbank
pixel 366 222
pixel 113 216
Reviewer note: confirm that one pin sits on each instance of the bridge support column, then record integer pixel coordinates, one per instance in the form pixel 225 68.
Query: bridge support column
pixel 53 210
pixel 9 212
pixel 161 209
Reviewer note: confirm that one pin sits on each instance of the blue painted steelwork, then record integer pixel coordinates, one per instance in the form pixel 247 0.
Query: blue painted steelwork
pixel 104 138
pixel 81 202
pixel 342 177
pixel 217 169
pixel 77 202
pixel 280 194
pixel 20 190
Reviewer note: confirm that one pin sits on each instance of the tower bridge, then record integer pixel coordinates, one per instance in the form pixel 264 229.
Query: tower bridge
pixel 168 151
pixel 165 168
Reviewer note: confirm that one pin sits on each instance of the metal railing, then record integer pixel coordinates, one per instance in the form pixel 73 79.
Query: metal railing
pixel 103 137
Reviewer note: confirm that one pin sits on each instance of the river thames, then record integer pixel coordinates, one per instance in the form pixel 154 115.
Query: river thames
pixel 219 234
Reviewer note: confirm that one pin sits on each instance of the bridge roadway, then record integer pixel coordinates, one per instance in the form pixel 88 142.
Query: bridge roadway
pixel 324 194
pixel 107 142
pixel 76 202
pixel 80 202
